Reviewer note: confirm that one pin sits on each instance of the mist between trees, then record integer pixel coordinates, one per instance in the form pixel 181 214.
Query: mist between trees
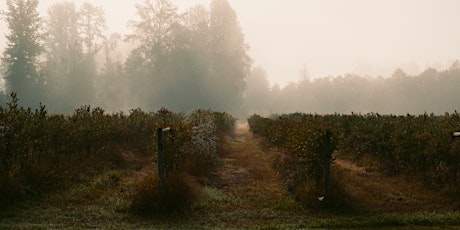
pixel 182 61
pixel 431 91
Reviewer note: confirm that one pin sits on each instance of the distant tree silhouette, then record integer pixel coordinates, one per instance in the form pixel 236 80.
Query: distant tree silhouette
pixel 73 39
pixel 431 91
pixel 230 62
pixel 257 93
pixel 155 31
pixel 111 84
pixel 190 60
pixel 21 56
pixel 91 25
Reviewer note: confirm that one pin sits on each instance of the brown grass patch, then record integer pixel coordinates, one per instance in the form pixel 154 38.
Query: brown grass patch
pixel 367 189
pixel 180 191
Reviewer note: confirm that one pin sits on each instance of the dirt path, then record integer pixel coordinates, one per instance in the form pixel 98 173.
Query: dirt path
pixel 251 190
pixel 232 173
pixel 245 162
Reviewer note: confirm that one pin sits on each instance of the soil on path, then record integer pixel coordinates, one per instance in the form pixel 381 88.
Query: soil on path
pixel 238 161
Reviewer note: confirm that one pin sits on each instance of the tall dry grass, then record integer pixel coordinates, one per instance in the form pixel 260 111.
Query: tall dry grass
pixel 180 191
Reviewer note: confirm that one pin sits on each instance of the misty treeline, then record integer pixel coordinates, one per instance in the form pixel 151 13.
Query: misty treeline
pixel 183 61
pixel 431 91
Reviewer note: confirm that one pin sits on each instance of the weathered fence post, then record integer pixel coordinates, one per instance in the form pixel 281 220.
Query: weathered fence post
pixel 327 148
pixel 327 158
pixel 161 158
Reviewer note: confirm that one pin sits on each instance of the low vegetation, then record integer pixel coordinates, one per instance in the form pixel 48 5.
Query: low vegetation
pixel 91 169
pixel 419 147
pixel 41 152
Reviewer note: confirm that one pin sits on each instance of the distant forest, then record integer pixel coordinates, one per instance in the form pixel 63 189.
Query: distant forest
pixel 183 61
pixel 431 91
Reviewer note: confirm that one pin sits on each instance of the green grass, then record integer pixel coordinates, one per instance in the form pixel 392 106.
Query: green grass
pixel 215 209
pixel 402 221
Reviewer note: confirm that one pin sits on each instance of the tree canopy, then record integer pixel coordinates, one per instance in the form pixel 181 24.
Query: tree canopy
pixel 189 60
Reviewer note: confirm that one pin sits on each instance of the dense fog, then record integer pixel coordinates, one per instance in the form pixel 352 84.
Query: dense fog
pixel 184 60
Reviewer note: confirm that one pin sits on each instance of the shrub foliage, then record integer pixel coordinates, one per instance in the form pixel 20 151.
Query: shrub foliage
pixel 417 146
pixel 36 148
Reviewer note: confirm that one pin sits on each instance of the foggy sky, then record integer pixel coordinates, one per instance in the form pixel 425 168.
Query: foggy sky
pixel 328 37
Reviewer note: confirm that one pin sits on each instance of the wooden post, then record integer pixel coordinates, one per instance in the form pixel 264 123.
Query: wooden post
pixel 327 158
pixel 161 160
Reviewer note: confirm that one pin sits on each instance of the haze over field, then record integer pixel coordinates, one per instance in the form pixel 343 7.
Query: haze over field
pixel 283 50
pixel 330 37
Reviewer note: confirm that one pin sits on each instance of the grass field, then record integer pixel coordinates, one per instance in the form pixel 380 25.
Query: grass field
pixel 242 192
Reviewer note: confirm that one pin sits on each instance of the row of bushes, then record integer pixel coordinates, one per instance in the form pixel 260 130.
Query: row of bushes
pixel 191 150
pixel 420 146
pixel 417 146
pixel 36 148
pixel 308 143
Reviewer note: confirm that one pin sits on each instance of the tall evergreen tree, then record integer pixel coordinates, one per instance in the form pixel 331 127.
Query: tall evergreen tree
pixel 23 50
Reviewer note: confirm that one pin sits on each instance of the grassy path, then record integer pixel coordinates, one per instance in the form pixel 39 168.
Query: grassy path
pixel 247 192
